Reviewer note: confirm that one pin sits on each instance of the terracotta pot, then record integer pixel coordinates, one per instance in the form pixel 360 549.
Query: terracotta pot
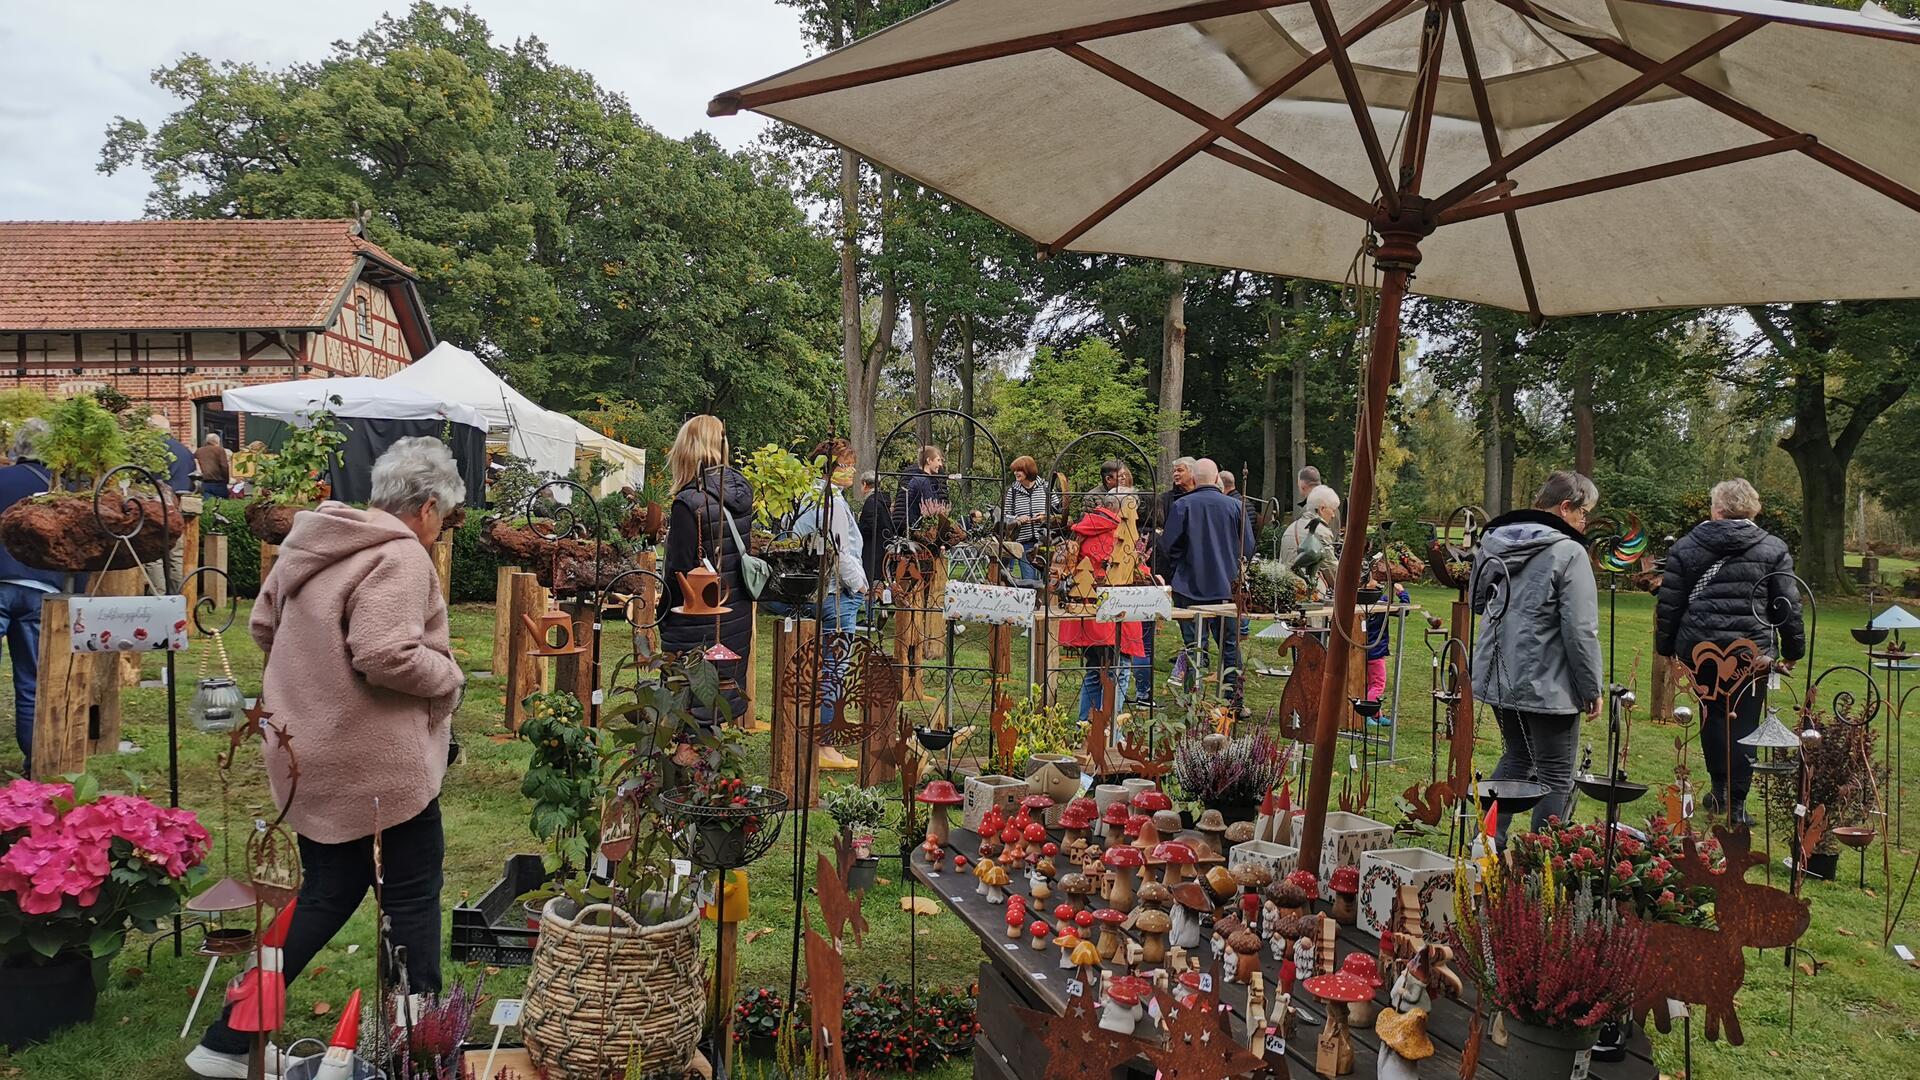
pixel 271 523
pixel 61 532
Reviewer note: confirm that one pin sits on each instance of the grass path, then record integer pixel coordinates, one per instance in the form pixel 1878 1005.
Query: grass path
pixel 1859 1017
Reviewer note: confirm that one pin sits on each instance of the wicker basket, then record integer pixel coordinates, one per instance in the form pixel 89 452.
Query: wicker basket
pixel 598 993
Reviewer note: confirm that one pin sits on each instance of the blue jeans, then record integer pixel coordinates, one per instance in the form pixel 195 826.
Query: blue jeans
pixel 839 618
pixel 20 624
pixel 1099 660
pixel 1143 666
pixel 1224 629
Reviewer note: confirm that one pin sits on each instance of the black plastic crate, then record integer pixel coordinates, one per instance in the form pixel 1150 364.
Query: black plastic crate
pixel 493 930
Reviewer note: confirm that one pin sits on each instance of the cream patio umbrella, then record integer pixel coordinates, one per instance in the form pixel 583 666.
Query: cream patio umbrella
pixel 1553 157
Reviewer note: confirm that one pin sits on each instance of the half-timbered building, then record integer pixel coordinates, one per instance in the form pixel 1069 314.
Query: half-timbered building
pixel 173 313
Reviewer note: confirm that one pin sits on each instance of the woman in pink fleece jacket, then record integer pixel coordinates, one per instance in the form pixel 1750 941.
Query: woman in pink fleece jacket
pixel 360 673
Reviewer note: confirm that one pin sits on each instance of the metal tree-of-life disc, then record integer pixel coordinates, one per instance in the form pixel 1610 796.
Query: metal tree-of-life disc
pixel 273 851
pixel 867 683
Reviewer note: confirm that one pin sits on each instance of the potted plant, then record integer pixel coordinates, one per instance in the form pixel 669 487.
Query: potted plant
pixel 1231 775
pixel 858 811
pixel 1840 774
pixel 1557 960
pixel 563 780
pixel 1273 588
pixel 1643 874
pixel 294 477
pixel 757 1021
pixel 78 871
pixel 60 529
pixel 783 484
pixel 1045 739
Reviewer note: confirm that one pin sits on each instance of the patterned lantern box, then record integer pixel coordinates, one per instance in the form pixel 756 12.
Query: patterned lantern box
pixel 1343 839
pixel 1279 858
pixel 1382 873
pixel 986 791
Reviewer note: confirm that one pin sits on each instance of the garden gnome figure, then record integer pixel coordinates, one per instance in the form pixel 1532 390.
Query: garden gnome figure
pixel 259 994
pixel 1403 1027
pixel 1246 955
pixel 1191 903
pixel 1303 956
pixel 1120 1009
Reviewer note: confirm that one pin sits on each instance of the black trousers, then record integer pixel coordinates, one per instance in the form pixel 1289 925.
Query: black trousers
pixel 336 878
pixel 1724 721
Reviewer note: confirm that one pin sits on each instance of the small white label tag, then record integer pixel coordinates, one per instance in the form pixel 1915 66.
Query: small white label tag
pixel 1011 946
pixel 788 625
pixel 1040 975
pixel 1686 806
pixel 683 868
pixel 1276 1046
pixel 1086 782
pixel 1582 1061
pixel 1677 1008
pixel 1799 809
pixel 1353 763
pixel 1903 953
pixel 506 1013
pixel 599 697
pixel 1075 988
pixel 1206 982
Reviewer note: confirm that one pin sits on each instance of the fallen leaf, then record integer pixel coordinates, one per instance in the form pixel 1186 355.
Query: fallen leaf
pixel 502 737
pixel 125 1020
pixel 881 881
pixel 1806 969
pixel 1843 931
pixel 491 970
pixel 322 1008
pixel 134 973
pixel 1773 1053
pixel 919 905
pixel 317 969
pixel 758 933
pixel 1870 892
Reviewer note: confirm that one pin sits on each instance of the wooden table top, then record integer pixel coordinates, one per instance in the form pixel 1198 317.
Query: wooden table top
pixel 1038 971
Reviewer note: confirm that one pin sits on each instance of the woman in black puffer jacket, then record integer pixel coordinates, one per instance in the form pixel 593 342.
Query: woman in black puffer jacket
pixel 1725 580
pixel 706 491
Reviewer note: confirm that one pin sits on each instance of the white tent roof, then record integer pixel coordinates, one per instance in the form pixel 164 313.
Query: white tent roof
pixel 451 373
pixel 629 463
pixel 359 396
pixel 1745 150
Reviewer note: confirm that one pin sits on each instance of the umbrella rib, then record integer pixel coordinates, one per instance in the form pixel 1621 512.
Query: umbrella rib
pixel 1626 92
pixel 1491 135
pixel 1339 198
pixel 1357 102
pixel 1746 114
pixel 1381 16
pixel 1627 178
pixel 735 100
pixel 1321 188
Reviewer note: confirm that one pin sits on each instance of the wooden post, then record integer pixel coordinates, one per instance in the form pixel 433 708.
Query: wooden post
pixel 1356 674
pixel 1664 685
pixel 443 565
pixel 502 619
pixel 574 674
pixel 213 552
pixel 750 668
pixel 61 707
pixel 268 553
pixel 189 561
pixel 784 768
pixel 524 673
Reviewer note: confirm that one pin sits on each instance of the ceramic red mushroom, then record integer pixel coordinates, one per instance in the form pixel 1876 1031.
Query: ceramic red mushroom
pixel 1177 858
pixel 1307 882
pixel 1010 849
pixel 1121 1008
pixel 1150 801
pixel 933 851
pixel 1345 886
pixel 939 795
pixel 1016 918
pixel 1063 913
pixel 1364 967
pixel 1110 936
pixel 1123 862
pixel 1036 805
pixel 1077 818
pixel 1335 1048
pixel 1033 836
pixel 1115 820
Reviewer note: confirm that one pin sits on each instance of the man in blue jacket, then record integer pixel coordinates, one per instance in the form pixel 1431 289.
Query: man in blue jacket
pixel 1206 539
pixel 22 587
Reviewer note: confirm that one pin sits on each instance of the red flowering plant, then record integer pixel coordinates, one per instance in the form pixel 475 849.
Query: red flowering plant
pixel 882 1032
pixel 1550 958
pixel 79 869
pixel 1643 873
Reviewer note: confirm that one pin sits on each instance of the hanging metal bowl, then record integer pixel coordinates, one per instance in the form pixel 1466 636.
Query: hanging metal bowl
pixel 934 739
pixel 1618 791
pixel 1869 635
pixel 724 837
pixel 1512 795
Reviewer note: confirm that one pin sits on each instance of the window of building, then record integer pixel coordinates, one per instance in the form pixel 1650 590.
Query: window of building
pixel 360 317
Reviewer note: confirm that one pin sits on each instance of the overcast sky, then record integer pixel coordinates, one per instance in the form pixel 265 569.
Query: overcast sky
pixel 73 66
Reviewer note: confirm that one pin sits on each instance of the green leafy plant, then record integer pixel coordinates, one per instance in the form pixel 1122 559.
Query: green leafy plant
pixel 293 475
pixel 83 440
pixel 1040 728
pixel 562 779
pixel 882 1031
pixel 1274 587
pixel 859 811
pixel 760 1014
pixel 146 444
pixel 1643 873
pixel 781 480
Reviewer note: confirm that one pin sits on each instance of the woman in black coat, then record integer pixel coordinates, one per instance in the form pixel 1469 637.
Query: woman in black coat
pixel 1729 579
pixel 706 491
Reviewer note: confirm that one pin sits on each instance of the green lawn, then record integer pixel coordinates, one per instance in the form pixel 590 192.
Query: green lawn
pixel 1858 1017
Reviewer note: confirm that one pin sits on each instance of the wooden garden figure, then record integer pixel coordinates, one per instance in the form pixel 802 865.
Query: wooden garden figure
pixel 1084 591
pixel 1334 1049
pixel 1304 952
pixel 1402 1028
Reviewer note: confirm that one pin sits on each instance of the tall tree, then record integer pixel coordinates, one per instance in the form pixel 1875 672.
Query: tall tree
pixel 1173 366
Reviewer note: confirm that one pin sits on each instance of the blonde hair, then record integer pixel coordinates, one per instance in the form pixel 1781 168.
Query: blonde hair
pixel 702 442
pixel 1735 498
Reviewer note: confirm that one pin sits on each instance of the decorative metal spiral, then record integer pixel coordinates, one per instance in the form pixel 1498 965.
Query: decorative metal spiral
pixel 566 512
pixel 205 605
pixel 1845 706
pixel 619 582
pixel 1619 550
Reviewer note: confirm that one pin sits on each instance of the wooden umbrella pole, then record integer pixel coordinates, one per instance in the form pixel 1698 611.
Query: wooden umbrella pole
pixel 1398 254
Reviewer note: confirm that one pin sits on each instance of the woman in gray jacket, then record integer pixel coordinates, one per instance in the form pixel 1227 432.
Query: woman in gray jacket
pixel 1537 658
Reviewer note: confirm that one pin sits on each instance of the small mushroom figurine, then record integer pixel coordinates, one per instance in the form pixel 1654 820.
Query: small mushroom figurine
pixel 1237 833
pixel 980 874
pixel 1034 838
pixel 1153 925
pixel 1078 819
pixel 990 825
pixel 1121 1008
pixel 1036 805
pixel 1154 895
pixel 1012 847
pixel 1115 822
pixel 1362 966
pixel 1308 882
pixel 1345 886
pixel 934 852
pixel 1039 878
pixel 1245 946
pixel 1192 905
pixel 996 882
pixel 1214 827
pixel 1167 822
pixel 1338 990
pixel 1175 858
pixel 1040 931
pixel 1065 941
pixel 1079 888
pixel 1016 922
pixel 1110 936
pixel 1123 862
pixel 1402 1028
pixel 940 797
pixel 1086 962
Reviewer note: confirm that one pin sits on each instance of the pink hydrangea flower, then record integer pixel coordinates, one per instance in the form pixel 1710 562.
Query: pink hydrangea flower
pixel 28 805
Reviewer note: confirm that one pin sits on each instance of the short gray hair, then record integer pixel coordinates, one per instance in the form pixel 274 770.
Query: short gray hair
pixel 1307 475
pixel 1180 461
pixel 1226 477
pixel 869 477
pixel 25 435
pixel 1322 497
pixel 1205 472
pixel 1567 487
pixel 1736 498
pixel 212 439
pixel 413 470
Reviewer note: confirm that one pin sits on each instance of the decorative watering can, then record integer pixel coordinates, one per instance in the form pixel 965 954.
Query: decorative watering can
pixel 701 592
pixel 545 642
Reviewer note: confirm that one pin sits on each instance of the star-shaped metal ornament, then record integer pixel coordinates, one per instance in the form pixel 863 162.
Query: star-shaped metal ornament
pixel 1197 1046
pixel 1077 1047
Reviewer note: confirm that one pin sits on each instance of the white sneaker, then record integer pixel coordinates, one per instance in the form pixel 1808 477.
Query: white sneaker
pixel 214 1065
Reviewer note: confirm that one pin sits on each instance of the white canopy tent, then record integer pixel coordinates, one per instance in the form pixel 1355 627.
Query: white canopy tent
pixel 629 464
pixel 359 396
pixel 451 373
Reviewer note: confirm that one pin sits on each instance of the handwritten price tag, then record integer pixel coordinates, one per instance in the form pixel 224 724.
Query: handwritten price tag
pixel 506 1013
pixel 1075 988
pixel 1206 982
pixel 1276 1046
pixel 1353 763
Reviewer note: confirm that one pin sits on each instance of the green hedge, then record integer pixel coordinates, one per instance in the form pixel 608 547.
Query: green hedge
pixel 473 566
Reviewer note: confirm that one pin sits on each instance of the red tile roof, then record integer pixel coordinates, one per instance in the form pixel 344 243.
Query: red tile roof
pixel 176 275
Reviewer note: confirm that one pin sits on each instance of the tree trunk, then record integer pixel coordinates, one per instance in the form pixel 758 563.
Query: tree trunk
pixel 1822 558
pixel 853 355
pixel 1173 367
pixel 1493 490
pixel 1270 441
pixel 966 392
pixel 922 364
pixel 1297 420
pixel 1583 419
